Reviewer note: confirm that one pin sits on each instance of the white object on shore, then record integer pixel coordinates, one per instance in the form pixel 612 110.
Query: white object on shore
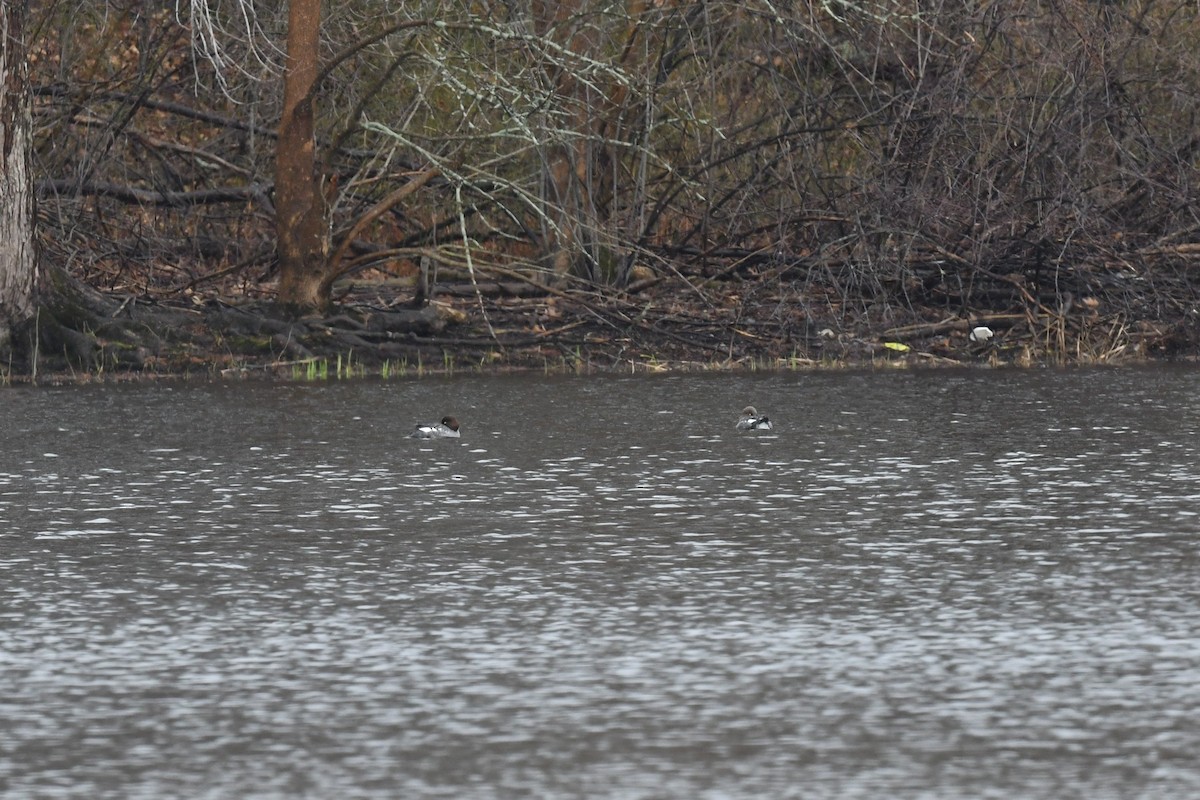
pixel 981 334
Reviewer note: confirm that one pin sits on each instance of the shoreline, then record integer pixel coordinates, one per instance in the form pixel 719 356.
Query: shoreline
pixel 325 369
pixel 83 335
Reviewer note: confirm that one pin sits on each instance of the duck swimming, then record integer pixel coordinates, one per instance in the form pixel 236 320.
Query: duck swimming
pixel 751 421
pixel 446 429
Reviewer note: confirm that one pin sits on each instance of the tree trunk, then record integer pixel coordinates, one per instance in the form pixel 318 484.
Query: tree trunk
pixel 301 216
pixel 18 265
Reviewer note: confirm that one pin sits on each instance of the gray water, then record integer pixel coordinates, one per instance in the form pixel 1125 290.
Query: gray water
pixel 920 585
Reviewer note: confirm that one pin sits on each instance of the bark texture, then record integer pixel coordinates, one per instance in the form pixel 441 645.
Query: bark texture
pixel 17 256
pixel 302 222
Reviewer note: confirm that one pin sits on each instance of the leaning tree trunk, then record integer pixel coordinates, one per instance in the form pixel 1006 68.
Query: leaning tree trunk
pixel 17 259
pixel 301 217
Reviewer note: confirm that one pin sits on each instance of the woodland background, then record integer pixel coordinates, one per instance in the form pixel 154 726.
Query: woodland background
pixel 722 181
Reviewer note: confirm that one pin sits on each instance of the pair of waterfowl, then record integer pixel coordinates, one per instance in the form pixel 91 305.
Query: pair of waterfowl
pixel 448 427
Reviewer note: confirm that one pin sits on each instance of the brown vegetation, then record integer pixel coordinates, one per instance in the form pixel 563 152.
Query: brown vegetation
pixel 719 183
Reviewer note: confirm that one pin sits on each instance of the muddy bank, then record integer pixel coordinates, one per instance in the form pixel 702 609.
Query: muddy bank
pixel 734 319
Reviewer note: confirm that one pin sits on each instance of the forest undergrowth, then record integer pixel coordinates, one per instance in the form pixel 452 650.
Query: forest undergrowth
pixel 738 315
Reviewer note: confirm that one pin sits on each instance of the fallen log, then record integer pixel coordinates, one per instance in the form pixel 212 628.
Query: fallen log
pixel 950 325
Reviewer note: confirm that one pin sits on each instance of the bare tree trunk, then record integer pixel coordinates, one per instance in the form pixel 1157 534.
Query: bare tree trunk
pixel 17 257
pixel 301 216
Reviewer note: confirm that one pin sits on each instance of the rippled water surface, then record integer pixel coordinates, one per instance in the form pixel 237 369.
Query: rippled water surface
pixel 919 585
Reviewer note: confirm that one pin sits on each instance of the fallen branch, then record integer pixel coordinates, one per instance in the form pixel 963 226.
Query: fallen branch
pixel 273 365
pixel 372 214
pixel 948 325
pixel 153 197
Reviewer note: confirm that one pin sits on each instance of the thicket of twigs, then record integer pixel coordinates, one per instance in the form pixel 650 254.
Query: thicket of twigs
pixel 884 166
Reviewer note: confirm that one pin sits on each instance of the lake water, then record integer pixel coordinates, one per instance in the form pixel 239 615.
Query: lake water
pixel 919 585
